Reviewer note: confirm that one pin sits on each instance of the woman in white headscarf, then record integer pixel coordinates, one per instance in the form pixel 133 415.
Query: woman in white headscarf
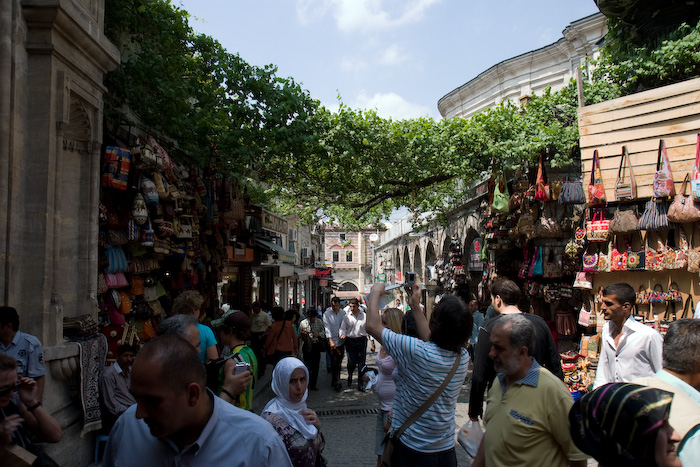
pixel 298 425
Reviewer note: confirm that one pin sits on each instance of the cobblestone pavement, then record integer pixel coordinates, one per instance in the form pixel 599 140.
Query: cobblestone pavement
pixel 349 417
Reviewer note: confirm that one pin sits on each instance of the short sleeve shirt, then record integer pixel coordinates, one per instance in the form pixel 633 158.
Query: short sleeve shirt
pixel 28 352
pixel 422 367
pixel 206 340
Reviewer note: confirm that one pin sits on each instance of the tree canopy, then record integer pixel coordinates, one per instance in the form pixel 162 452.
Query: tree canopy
pixel 350 165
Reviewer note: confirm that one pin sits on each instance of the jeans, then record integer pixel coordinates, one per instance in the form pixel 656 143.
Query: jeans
pixel 357 353
pixel 312 358
pixel 336 360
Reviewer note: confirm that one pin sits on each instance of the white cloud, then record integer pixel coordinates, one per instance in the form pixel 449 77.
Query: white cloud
pixel 352 65
pixel 390 105
pixel 392 56
pixel 364 15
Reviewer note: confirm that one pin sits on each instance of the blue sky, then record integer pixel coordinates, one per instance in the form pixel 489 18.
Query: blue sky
pixel 398 57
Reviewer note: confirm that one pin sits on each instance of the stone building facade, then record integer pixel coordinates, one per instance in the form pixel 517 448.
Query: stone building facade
pixel 351 256
pixel 53 57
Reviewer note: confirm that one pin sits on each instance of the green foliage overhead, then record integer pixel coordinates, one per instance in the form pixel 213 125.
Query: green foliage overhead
pixel 351 165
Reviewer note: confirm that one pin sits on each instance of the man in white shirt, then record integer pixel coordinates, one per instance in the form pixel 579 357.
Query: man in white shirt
pixel 114 385
pixel 332 319
pixel 352 329
pixel 629 349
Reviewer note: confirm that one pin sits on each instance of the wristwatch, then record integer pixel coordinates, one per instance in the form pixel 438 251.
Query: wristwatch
pixel 32 408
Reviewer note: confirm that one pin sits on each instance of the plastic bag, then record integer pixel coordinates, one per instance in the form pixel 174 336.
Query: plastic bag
pixel 470 436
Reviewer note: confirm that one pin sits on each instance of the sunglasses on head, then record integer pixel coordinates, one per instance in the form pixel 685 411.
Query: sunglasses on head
pixel 8 389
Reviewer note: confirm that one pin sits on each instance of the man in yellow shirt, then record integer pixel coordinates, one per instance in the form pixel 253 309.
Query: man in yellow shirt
pixel 527 407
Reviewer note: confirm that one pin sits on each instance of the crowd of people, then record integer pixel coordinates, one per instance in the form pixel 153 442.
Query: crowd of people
pixel 186 396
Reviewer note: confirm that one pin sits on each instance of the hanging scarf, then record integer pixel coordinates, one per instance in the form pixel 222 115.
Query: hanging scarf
pixel 281 405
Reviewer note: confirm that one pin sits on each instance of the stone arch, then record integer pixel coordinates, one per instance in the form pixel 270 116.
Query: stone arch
pixel 348 286
pixel 430 259
pixel 406 262
pixel 418 264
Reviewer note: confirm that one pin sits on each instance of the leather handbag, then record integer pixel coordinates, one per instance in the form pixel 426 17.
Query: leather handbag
pixel 623 221
pixel 547 225
pixel 596 190
pixel 683 210
pixel 695 178
pixel 663 178
pixel 626 185
pixel 390 440
pixel 542 189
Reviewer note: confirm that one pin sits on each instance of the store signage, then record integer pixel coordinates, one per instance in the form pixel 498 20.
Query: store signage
pixel 475 263
pixel 323 264
pixel 381 277
pixel 274 223
pixel 323 283
pixel 397 277
pixel 325 272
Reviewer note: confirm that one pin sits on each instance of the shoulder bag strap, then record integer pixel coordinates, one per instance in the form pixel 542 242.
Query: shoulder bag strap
pixel 633 181
pixel 594 163
pixel 426 405
pixel 688 301
pixel 696 168
pixel 662 148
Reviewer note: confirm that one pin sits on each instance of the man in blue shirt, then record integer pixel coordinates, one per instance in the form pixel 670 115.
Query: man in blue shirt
pixel 176 421
pixel 23 347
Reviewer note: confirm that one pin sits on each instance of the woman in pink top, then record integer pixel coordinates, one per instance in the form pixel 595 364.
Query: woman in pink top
pixel 385 386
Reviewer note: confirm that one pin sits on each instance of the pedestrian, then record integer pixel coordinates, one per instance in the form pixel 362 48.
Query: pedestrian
pixel 281 340
pixel 313 334
pixel 625 425
pixel 332 319
pixel 353 331
pixel 259 323
pixel 505 295
pixel 296 424
pixel 432 366
pixel 527 408
pixel 177 421
pixel 190 302
pixel 385 387
pixel 629 349
pixel 478 321
pixel 24 348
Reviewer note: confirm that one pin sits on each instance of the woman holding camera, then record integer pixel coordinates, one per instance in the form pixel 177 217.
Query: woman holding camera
pixel 424 363
pixel 235 329
pixel 298 425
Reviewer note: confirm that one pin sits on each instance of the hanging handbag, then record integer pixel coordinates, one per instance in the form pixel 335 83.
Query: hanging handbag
pixel 624 221
pixel 547 225
pixel 526 223
pixel 537 264
pixel 525 266
pixel 389 439
pixel 668 250
pixel 116 280
pixel 583 281
pixel 654 216
pixel 657 295
pixel 590 261
pixel 636 258
pixel 604 260
pixel 551 268
pixel 642 296
pixel 683 210
pixel 572 192
pixel 115 171
pixel 682 250
pixel 598 230
pixel 695 178
pixel 596 190
pixel 654 259
pixel 618 259
pixel 693 253
pixel 542 189
pixel 556 186
pixel 501 197
pixel 116 259
pixel 663 178
pixel 625 186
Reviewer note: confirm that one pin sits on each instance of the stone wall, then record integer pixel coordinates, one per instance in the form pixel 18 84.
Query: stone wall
pixel 54 56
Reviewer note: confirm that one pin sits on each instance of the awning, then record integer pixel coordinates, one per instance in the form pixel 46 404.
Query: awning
pixel 283 254
pixel 302 273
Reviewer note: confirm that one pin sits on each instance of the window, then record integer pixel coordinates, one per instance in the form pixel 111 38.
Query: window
pixel 342 237
pixel 336 256
pixel 348 256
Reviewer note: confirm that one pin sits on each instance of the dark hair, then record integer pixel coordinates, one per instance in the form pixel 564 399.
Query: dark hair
pixel 451 323
pixel 335 300
pixel 507 290
pixel 277 313
pixel 291 315
pixel 124 348
pixel 9 315
pixel 7 363
pixel 682 336
pixel 521 332
pixel 177 325
pixel 624 293
pixel 177 359
pixel 354 301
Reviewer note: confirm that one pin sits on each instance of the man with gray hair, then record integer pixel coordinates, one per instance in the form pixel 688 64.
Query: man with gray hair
pixel 680 375
pixel 184 326
pixel 527 407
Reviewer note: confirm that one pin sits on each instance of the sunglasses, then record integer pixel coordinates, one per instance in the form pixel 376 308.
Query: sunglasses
pixel 8 389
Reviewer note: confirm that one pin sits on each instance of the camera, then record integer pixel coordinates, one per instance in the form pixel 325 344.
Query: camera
pixel 241 367
pixel 410 279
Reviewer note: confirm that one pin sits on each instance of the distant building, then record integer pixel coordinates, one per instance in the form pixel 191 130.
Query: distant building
pixel 530 73
pixel 350 254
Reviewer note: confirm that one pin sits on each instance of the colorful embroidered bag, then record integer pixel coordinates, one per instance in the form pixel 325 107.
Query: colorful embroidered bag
pixel 636 258
pixel 596 190
pixel 619 259
pixel 542 189
pixel 598 230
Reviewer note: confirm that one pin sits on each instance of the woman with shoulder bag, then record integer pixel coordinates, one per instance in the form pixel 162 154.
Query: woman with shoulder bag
pixel 431 370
